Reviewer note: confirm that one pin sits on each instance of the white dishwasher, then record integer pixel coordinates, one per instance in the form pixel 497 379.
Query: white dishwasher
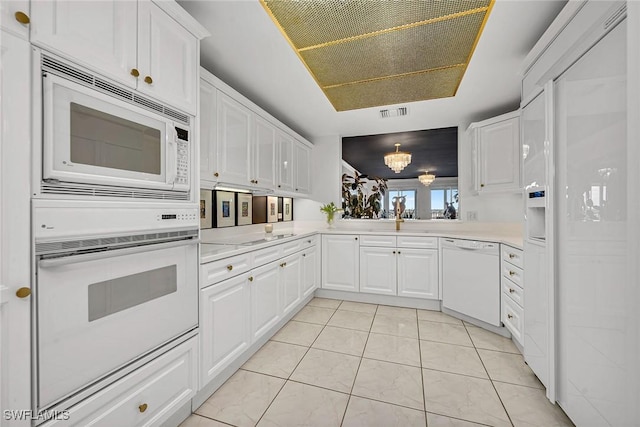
pixel 471 279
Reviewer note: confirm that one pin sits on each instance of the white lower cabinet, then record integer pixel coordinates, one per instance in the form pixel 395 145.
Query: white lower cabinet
pixel 340 261
pixel 310 271
pixel 512 302
pixel 418 273
pixel 145 397
pixel 265 298
pixel 290 277
pixel 378 270
pixel 224 312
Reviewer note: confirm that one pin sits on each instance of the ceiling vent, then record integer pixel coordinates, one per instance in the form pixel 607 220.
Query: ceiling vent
pixel 393 112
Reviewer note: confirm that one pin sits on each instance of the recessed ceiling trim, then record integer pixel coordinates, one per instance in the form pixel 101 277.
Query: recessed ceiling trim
pixel 412 73
pixel 390 30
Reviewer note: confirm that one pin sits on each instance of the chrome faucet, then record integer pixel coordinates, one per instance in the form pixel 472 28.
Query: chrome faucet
pixel 398 215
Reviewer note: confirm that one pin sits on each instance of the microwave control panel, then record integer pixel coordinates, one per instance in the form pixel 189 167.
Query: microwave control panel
pixel 182 142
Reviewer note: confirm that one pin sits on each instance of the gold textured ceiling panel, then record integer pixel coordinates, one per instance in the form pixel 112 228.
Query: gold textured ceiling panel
pixel 424 47
pixel 441 83
pixel 312 22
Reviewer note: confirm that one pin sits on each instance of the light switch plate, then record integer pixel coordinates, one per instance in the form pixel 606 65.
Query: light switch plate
pixel 472 216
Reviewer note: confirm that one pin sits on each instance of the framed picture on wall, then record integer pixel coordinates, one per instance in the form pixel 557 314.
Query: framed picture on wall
pixel 225 207
pixel 206 219
pixel 245 209
pixel 287 209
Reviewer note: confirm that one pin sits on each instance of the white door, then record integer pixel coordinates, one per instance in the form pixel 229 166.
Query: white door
pixel 167 58
pixel 303 169
pixel 285 162
pixel 233 142
pixel 290 276
pixel 340 262
pixel 15 259
pixel 378 270
pixel 99 35
pixel 208 130
pixel 418 273
pixel 264 154
pixel 499 152
pixel 12 23
pixel 265 299
pixel 224 325
pixel 310 271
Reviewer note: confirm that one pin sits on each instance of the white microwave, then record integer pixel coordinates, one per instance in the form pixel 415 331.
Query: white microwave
pixel 94 139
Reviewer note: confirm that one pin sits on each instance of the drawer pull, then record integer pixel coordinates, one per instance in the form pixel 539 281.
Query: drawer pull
pixel 512 256
pixel 356 238
pixel 23 292
pixel 251 278
pixel 216 174
pixel 229 267
pixel 304 254
pixel 135 72
pixel 22 17
pixel 284 264
pixel 308 241
pixel 509 316
pixel 394 252
pixel 511 273
pixel 148 80
pixel 143 407
pixel 511 290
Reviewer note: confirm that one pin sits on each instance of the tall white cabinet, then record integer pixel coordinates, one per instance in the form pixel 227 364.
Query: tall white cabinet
pixel 340 262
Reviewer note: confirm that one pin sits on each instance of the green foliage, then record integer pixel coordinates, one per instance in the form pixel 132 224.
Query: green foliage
pixel 356 203
pixel 330 209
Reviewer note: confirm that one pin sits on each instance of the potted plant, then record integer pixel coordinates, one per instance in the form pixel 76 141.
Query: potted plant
pixel 330 209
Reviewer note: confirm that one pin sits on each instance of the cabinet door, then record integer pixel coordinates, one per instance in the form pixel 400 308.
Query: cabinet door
pixel 310 271
pixel 499 154
pixel 265 299
pixel 208 99
pixel 473 176
pixel 302 183
pixel 9 20
pixel 290 276
pixel 285 162
pixel 418 273
pixel 340 262
pixel 378 270
pixel 224 325
pixel 100 35
pixel 233 143
pixel 168 55
pixel 534 134
pixel 264 154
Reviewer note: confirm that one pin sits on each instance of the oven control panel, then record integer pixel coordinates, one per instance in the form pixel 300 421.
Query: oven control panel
pixel 180 217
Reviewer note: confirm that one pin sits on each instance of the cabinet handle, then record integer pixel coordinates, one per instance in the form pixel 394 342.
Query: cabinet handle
pixel 304 254
pixel 23 292
pixel 509 316
pixel 284 264
pixel 229 267
pixel 511 290
pixel 22 17
pixel 216 174
pixel 256 181
pixel 356 238
pixel 399 252
pixel 512 256
pixel 135 72
pixel 511 273
pixel 481 185
pixel 148 80
pixel 394 252
pixel 279 185
pixel 308 241
pixel 296 189
pixel 143 407
pixel 251 278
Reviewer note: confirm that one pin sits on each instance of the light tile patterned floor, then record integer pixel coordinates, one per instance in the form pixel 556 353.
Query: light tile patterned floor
pixel 351 364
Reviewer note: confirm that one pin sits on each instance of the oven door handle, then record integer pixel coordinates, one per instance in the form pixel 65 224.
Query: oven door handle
pixel 72 259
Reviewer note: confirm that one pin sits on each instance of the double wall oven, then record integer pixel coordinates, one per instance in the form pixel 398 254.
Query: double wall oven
pixel 115 232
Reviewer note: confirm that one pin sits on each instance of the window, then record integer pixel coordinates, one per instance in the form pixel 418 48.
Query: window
pixel 444 203
pixel 409 202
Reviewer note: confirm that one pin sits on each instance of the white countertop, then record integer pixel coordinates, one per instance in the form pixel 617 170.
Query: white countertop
pixel 215 249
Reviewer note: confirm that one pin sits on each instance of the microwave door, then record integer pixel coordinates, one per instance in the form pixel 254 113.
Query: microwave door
pixel 94 138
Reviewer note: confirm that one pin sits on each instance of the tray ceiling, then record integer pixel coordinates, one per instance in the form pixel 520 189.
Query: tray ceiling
pixel 378 52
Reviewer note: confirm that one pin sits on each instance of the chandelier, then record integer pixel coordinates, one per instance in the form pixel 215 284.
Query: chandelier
pixel 427 178
pixel 397 160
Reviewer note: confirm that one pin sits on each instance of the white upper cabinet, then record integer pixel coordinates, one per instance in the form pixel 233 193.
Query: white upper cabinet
pixel 135 43
pixel 99 35
pixel 263 173
pixel 302 184
pixel 340 261
pixel 285 164
pixel 14 17
pixel 167 58
pixel 233 141
pixel 496 154
pixel 208 129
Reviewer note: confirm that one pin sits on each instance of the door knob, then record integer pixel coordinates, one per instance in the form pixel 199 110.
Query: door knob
pixel 135 72
pixel 22 17
pixel 216 174
pixel 251 278
pixel 143 407
pixel 148 80
pixel 23 292
pixel 229 267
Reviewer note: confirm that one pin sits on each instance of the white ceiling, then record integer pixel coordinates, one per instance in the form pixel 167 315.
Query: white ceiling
pixel 248 52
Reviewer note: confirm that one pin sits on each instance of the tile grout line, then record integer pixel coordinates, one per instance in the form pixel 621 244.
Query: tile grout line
pixel 489 376
pixel 209 418
pixel 424 390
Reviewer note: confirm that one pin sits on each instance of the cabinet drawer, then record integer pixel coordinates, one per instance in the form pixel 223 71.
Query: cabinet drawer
pixel 511 255
pixel 266 255
pixel 147 396
pixel 307 242
pixel 417 242
pixel 513 317
pixel 291 247
pixel 380 241
pixel 223 269
pixel 515 292
pixel 513 273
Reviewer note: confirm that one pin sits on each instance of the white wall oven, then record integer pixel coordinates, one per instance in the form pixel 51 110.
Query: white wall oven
pixel 102 139
pixel 105 302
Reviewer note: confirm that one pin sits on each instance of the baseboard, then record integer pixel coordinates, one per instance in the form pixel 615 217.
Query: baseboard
pixel 178 416
pixel 425 304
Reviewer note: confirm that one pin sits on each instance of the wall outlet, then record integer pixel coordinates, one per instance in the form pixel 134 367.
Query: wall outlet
pixel 472 216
